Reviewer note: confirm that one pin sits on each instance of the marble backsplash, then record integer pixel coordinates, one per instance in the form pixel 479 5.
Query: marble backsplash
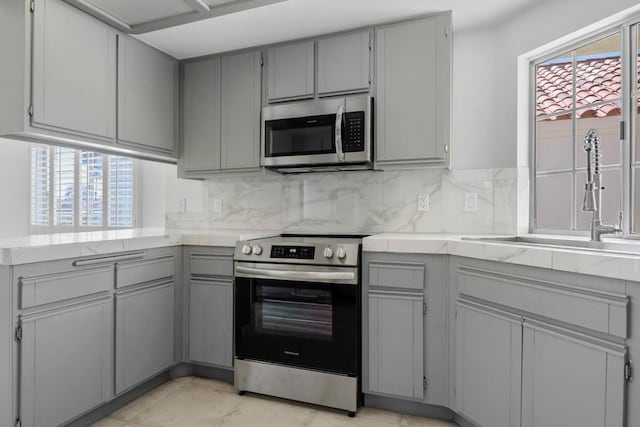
pixel 364 202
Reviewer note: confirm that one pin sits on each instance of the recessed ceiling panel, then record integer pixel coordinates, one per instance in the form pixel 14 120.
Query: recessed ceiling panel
pixel 141 11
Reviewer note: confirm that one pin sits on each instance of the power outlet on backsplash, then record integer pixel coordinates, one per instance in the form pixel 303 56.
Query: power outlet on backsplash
pixel 471 202
pixel 424 203
pixel 217 205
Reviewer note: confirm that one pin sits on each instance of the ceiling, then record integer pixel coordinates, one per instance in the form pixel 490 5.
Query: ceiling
pixel 294 19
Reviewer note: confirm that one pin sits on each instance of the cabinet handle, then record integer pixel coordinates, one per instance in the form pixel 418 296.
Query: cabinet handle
pixel 108 259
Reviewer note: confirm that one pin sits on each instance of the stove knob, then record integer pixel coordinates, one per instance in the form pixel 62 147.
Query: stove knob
pixel 328 253
pixel 246 249
pixel 257 249
pixel 341 253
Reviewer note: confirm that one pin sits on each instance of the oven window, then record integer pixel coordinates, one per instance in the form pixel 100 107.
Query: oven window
pixel 292 311
pixel 300 136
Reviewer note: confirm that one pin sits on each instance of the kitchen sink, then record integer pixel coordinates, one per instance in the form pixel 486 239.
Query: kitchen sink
pixel 609 246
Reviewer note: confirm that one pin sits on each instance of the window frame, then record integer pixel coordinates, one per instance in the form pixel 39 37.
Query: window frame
pixel 628 30
pixel 76 227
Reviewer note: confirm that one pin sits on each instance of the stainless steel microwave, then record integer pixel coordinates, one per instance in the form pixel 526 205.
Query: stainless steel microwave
pixel 319 135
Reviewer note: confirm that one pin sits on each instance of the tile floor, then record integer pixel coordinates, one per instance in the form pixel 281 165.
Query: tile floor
pixel 199 402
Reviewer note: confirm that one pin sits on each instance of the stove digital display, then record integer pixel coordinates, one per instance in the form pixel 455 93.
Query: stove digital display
pixel 296 252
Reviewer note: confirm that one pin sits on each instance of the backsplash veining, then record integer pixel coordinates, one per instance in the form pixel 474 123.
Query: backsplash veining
pixel 359 202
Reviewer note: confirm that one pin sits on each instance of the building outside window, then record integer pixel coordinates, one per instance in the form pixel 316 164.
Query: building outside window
pixel 588 86
pixel 74 190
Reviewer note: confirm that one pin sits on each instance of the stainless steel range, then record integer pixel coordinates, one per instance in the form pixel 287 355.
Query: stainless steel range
pixel 297 319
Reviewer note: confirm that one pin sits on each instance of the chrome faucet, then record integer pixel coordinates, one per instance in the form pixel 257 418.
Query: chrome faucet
pixel 593 188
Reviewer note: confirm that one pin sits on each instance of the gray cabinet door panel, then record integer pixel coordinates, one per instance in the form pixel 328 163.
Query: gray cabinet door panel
pixel 74 77
pixel 570 381
pixel 411 107
pixel 66 363
pixel 343 63
pixel 144 334
pixel 241 101
pixel 201 116
pixel 147 96
pixel 211 322
pixel 488 366
pixel 290 71
pixel 396 360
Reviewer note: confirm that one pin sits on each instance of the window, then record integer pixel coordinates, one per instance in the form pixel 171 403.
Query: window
pixel 74 190
pixel 576 90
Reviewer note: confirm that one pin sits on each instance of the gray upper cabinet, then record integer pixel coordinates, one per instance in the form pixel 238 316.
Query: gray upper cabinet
pixel 74 81
pixel 412 91
pixel 570 380
pixel 241 102
pixel 344 63
pixel 290 71
pixel 147 97
pixel 488 366
pixel 221 104
pixel 200 149
pixel 66 362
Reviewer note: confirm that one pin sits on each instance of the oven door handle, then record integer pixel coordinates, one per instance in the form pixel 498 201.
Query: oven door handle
pixel 288 274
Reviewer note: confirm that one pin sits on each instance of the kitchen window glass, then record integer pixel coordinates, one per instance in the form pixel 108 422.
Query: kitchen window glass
pixel 73 190
pixel 577 90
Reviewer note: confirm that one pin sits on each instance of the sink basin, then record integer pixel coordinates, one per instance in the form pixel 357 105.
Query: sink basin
pixel 609 246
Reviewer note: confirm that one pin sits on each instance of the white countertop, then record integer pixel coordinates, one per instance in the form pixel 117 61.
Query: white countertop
pixel 47 247
pixel 598 263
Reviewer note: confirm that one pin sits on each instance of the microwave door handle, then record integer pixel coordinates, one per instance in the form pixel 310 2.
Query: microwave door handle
pixel 339 118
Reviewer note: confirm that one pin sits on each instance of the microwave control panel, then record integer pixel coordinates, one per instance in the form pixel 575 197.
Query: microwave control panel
pixel 353 140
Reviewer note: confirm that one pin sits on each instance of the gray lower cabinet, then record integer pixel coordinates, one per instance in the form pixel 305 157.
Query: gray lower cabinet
pixel 221 105
pixel 412 91
pixel 74 80
pixel 569 379
pixel 147 98
pixel 66 364
pixel 488 360
pixel 344 63
pixel 211 322
pixel 396 359
pixel 291 71
pixel 144 333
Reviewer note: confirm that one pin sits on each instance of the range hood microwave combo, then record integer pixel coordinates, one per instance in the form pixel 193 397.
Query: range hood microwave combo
pixel 321 135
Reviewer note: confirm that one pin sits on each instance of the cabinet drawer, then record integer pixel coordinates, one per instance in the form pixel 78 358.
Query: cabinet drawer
pixel 51 288
pixel 132 273
pixel 396 275
pixel 211 265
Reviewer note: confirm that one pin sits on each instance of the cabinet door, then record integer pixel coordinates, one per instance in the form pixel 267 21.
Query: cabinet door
pixel 147 97
pixel 412 95
pixel 144 334
pixel 569 380
pixel 200 150
pixel 290 71
pixel 396 360
pixel 74 72
pixel 488 367
pixel 211 322
pixel 66 365
pixel 241 101
pixel 343 63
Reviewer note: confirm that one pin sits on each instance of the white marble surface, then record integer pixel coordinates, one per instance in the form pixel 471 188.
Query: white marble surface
pixel 605 264
pixel 47 247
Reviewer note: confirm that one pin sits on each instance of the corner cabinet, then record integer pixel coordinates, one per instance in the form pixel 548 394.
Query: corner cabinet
pixel 147 98
pixel 220 113
pixel 412 92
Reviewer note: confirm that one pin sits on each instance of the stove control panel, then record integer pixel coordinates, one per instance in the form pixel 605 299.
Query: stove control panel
pixel 295 252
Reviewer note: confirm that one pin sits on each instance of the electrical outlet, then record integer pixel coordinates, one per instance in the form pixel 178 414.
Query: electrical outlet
pixel 471 202
pixel 424 203
pixel 217 205
pixel 181 205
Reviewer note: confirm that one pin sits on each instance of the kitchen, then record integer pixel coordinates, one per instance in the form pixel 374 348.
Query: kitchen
pixel 168 247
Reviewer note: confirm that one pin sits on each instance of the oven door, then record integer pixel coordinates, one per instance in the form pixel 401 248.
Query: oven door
pixel 306 319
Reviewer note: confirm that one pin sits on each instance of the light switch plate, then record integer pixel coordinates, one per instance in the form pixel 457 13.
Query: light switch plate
pixel 424 203
pixel 217 205
pixel 471 202
pixel 181 205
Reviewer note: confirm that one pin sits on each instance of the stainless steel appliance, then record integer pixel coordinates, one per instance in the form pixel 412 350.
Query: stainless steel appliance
pixel 319 135
pixel 297 319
